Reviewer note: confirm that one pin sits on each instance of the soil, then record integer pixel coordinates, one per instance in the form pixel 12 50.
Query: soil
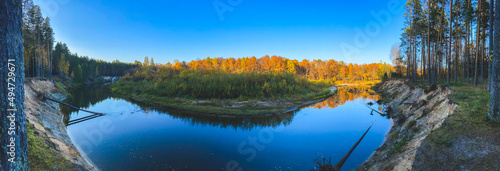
pixel 48 120
pixel 415 113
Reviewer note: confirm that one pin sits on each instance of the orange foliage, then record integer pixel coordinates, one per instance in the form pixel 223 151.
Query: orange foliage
pixel 329 70
pixel 345 94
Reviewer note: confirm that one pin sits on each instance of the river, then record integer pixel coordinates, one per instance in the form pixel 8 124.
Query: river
pixel 135 136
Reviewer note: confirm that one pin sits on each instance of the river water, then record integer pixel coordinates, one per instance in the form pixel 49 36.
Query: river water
pixel 135 136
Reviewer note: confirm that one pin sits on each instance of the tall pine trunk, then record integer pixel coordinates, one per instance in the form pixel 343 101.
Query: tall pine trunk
pixel 457 51
pixel 411 54
pixel 494 112
pixel 449 45
pixel 13 133
pixel 481 78
pixel 492 47
pixel 467 62
pixel 414 62
pixel 478 30
pixel 428 44
pixel 422 57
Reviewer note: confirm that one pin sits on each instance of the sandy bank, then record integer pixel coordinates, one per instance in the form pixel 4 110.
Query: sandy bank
pixel 415 113
pixel 48 120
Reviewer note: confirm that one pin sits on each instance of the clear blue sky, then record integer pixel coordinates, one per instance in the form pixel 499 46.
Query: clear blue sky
pixel 193 29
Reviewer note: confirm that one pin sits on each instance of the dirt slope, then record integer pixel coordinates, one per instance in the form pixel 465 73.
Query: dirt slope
pixel 48 120
pixel 415 113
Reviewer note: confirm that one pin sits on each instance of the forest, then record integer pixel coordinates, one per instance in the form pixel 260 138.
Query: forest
pixel 330 71
pixel 44 59
pixel 446 40
pixel 245 78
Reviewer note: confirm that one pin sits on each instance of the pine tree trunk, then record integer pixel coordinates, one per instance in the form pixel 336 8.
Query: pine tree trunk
pixel 414 63
pixel 481 78
pixel 449 45
pixel 494 112
pixel 410 58
pixel 428 46
pixel 457 54
pixel 478 28
pixel 12 127
pixel 467 72
pixel 492 47
pixel 422 61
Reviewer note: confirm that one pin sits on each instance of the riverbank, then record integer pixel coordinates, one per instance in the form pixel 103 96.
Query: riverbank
pixel 437 128
pixel 415 112
pixel 231 108
pixel 467 140
pixel 50 147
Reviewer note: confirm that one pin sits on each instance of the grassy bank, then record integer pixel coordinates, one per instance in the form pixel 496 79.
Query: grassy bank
pixel 42 156
pixel 467 139
pixel 216 92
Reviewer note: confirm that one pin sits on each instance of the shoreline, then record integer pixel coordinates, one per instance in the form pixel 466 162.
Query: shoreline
pixel 255 108
pixel 415 112
pixel 47 120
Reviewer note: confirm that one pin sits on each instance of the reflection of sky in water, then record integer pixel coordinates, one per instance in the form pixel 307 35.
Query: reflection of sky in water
pixel 131 138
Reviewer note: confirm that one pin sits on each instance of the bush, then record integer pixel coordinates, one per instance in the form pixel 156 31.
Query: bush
pixel 207 84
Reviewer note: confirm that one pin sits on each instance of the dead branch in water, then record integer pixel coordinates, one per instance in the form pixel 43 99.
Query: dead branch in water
pixel 328 166
pixel 54 100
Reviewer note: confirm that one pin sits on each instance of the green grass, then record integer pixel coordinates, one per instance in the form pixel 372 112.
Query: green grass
pixel 411 124
pixel 423 115
pixel 398 147
pixel 469 123
pixel 43 157
pixel 431 97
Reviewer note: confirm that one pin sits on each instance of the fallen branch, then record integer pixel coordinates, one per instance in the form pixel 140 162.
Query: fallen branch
pixel 54 100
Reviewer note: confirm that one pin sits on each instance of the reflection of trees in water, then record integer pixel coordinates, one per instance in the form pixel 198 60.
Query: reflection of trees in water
pixel 83 97
pixel 245 123
pixel 345 94
pixel 88 96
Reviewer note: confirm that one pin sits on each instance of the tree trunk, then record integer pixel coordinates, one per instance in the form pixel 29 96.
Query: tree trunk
pixel 481 78
pixel 422 57
pixel 410 43
pixel 13 138
pixel 408 57
pixel 414 63
pixel 457 51
pixel 428 45
pixel 478 28
pixel 494 112
pixel 468 44
pixel 492 47
pixel 449 45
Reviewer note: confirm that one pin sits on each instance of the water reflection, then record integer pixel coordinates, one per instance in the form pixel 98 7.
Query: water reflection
pixel 83 97
pixel 150 138
pixel 246 123
pixel 86 97
pixel 348 93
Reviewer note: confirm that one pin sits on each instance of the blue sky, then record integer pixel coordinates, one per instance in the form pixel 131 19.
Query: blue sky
pixel 195 29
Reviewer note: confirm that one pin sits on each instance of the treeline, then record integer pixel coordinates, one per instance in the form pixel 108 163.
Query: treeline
pixel 218 84
pixel 244 78
pixel 44 59
pixel 82 68
pixel 329 70
pixel 446 40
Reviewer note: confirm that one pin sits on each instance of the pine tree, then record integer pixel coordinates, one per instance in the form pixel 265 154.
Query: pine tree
pixel 13 142
pixel 494 112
